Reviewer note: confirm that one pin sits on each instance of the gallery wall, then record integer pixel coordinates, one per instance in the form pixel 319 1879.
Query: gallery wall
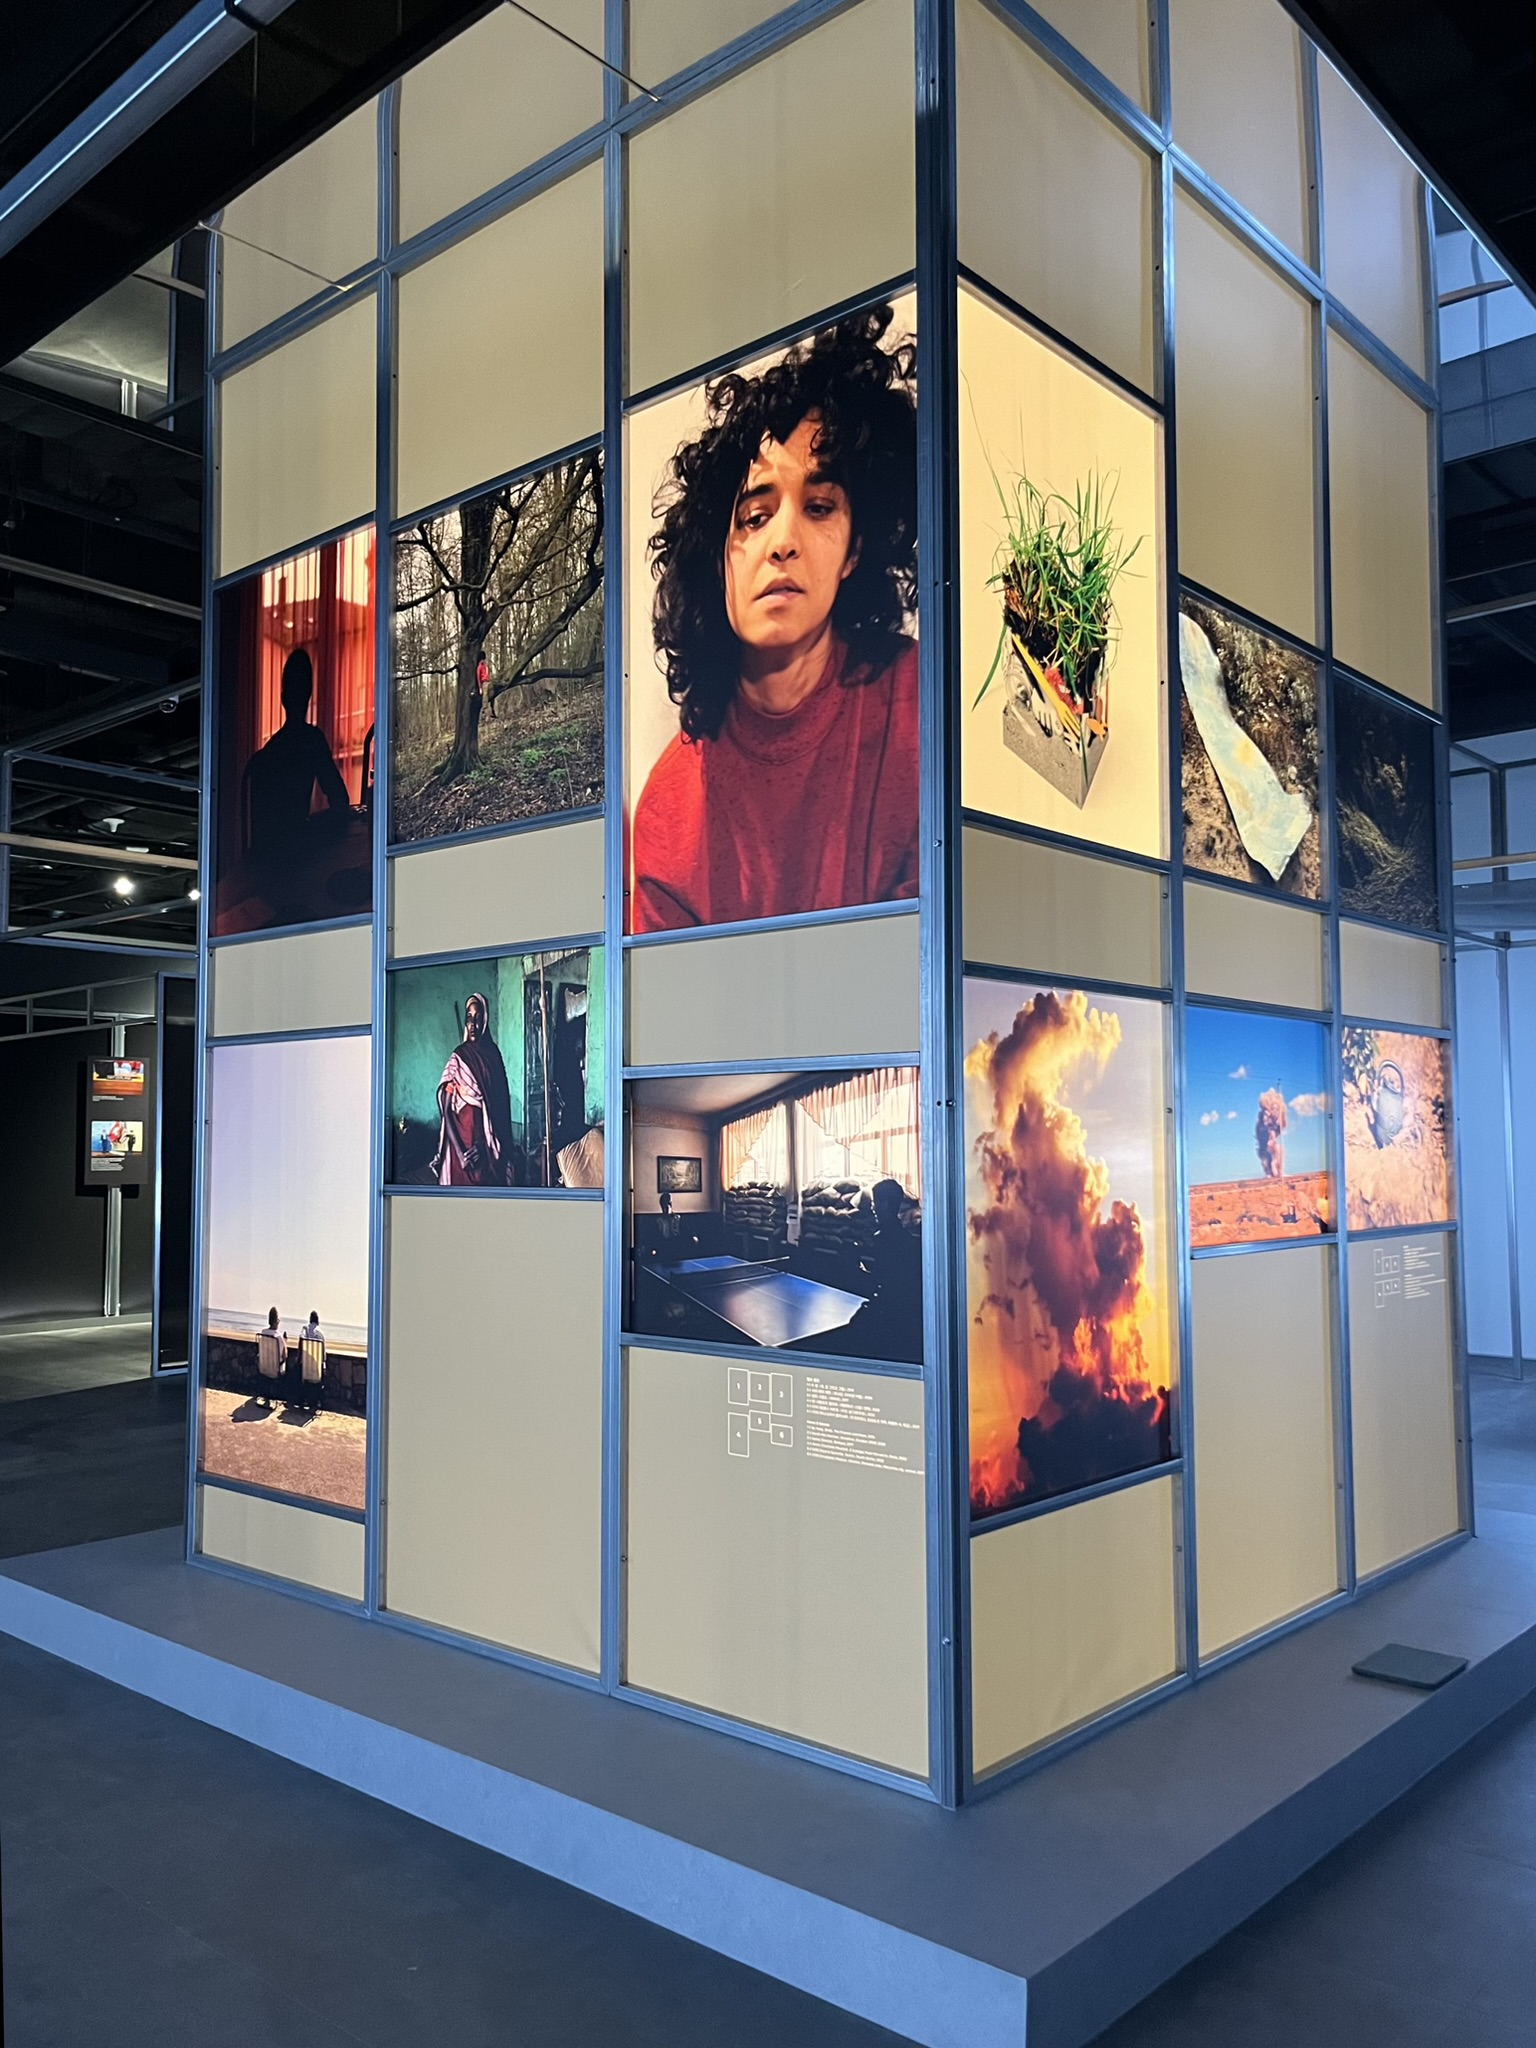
pixel 638 769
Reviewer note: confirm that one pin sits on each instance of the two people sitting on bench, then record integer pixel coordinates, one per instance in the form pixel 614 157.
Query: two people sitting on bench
pixel 272 1363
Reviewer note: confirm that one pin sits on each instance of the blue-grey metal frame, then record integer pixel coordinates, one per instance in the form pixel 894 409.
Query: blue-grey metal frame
pixel 938 274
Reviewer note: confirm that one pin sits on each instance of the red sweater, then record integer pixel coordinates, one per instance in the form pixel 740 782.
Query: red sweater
pixel 811 809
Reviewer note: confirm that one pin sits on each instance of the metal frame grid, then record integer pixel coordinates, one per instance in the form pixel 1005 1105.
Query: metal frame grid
pixel 943 967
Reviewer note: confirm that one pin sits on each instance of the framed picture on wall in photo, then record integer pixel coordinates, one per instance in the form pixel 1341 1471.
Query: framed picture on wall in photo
pixel 679 1176
pixel 1061 574
pixel 294 768
pixel 1071 1345
pixel 771 581
pixel 794 1222
pixel 1250 745
pixel 496 1072
pixel 498 656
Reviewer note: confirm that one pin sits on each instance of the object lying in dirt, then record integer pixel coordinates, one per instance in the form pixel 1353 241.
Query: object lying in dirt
pixel 1271 821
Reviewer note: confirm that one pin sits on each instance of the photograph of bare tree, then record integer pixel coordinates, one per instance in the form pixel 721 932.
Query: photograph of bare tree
pixel 498 656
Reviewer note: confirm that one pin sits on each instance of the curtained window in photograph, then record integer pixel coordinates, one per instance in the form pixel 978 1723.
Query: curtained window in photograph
pixel 755 1147
pixel 863 1128
pixel 323 602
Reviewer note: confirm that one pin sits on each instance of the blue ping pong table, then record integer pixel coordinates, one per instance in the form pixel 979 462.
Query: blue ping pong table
pixel 759 1302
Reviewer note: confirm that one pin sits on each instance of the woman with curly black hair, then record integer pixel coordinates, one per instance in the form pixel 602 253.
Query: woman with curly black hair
pixel 786 569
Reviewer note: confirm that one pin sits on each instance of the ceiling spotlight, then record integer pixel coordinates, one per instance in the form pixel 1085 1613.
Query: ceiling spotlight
pixel 194 895
pixel 113 824
pixel 123 886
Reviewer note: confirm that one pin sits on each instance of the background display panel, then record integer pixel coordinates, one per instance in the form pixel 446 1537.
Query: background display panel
pixel 804 1231
pixel 496 1072
pixel 1256 1129
pixel 294 740
pixel 498 656
pixel 1397 1124
pixel 771 565
pixel 1067 1296
pixel 285 1326
pixel 1250 747
pixel 1060 591
pixel 118 1110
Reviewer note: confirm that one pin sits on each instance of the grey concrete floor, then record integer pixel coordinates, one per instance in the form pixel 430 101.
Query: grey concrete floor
pixel 90 1445
pixel 166 1883
pixel 167 1886
pixel 1423 1928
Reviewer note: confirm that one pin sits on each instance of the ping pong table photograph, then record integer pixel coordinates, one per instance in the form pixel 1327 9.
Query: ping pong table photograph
pixel 758 1302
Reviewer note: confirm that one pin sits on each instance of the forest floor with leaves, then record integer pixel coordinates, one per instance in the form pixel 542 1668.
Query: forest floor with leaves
pixel 547 758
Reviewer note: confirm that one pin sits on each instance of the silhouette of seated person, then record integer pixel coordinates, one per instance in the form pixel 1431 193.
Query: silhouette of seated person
pixel 890 1324
pixel 272 1358
pixel 312 1360
pixel 281 777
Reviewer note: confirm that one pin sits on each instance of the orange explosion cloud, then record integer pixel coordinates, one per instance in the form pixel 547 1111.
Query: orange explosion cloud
pixel 1062 1388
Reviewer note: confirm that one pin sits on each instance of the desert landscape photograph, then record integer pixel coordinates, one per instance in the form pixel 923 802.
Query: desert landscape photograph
pixel 1250 748
pixel 1256 1128
pixel 1397 1110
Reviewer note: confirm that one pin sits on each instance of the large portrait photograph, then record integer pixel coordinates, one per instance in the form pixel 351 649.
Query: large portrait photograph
pixel 1070 1354
pixel 1061 702
pixel 498 656
pixel 1397 1128
pixel 771 590
pixel 778 1210
pixel 1384 793
pixel 496 1072
pixel 293 837
pixel 285 1323
pixel 1256 1127
pixel 1250 747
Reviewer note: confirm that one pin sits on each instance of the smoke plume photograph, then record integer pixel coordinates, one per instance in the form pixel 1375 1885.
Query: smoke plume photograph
pixel 1384 793
pixel 771 703
pixel 498 656
pixel 1250 747
pixel 1397 1118
pixel 294 766
pixel 285 1326
pixel 496 1072
pixel 1256 1127
pixel 1070 1353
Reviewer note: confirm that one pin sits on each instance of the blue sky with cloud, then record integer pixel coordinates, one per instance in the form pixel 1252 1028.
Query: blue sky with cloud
pixel 1231 1058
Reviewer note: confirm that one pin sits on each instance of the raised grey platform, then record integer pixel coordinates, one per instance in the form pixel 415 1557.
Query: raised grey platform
pixel 1034 1916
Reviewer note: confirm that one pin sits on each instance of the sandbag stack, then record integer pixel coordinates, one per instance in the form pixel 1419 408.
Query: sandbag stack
pixel 758 1207
pixel 837 1218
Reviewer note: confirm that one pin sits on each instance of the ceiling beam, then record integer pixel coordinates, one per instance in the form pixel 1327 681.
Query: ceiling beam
pixel 183 59
pixel 96 854
pixel 105 716
pixel 67 579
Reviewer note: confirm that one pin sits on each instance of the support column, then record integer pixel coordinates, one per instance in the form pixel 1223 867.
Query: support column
pixel 112 1276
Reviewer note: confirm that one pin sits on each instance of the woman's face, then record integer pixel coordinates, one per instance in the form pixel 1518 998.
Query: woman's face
pixel 790 545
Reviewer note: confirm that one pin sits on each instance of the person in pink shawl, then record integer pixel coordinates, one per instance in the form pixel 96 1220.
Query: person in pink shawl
pixel 475 1145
